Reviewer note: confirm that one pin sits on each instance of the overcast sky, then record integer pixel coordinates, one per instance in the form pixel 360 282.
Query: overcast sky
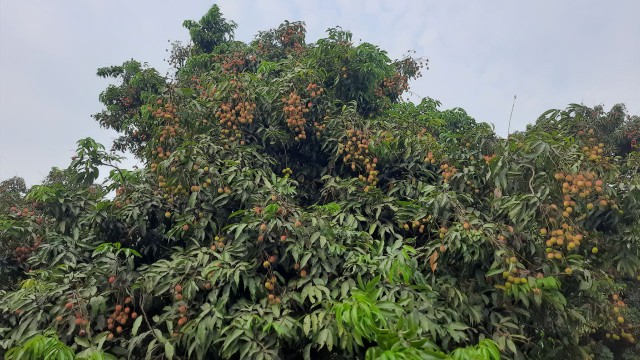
pixel 481 53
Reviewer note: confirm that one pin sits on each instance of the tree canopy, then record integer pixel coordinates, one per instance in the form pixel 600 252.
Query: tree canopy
pixel 290 205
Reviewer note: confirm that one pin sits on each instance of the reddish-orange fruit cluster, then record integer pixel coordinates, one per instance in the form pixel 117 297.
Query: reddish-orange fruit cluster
pixel 581 184
pixel 355 151
pixel 196 83
pixel 126 101
pixel 122 316
pixel 569 205
pixel 218 243
pixel 617 307
pixel 393 86
pixel 181 307
pixel 320 124
pixel 138 136
pixel 488 158
pixel 161 153
pixel 235 62
pixel 294 111
pixel 80 319
pixel 169 132
pixel 584 186
pixel 169 191
pixel 178 292
pixel 417 225
pixel 315 90
pixel 289 38
pixel 22 253
pixel 234 114
pixel 207 93
pixel 168 111
pixel 448 171
pixel 595 152
pixel 24 212
pixel 292 38
pixel 564 237
pixel 270 285
pixel 430 158
pixel 121 194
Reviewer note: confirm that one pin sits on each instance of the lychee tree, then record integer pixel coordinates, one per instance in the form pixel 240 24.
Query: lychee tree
pixel 291 205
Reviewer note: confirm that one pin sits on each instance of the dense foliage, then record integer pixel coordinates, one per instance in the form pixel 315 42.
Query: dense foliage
pixel 292 206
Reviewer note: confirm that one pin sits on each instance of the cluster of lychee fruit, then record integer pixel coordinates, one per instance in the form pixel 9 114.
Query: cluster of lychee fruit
pixel 287 172
pixel 271 280
pixel 170 191
pixel 237 112
pixel 270 285
pixel 393 86
pixel 126 101
pixel 594 153
pixel 263 233
pixel 581 184
pixel 161 153
pixel 514 276
pixel 233 115
pixel 122 316
pixel 566 236
pixel 315 91
pixel 294 110
pixel 587 188
pixel 25 212
pixel 617 304
pixel 166 111
pixel 430 158
pixel 169 131
pixel 181 308
pixel 81 320
pixel 22 253
pixel 218 243
pixel 292 38
pixel 355 153
pixel 487 158
pixel 417 225
pixel 235 62
pixel 448 171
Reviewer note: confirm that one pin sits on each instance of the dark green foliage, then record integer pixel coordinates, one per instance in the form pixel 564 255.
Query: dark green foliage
pixel 211 31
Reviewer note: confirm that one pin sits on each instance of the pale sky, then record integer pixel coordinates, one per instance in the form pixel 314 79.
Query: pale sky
pixel 481 53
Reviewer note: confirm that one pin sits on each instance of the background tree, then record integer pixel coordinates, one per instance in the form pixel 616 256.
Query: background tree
pixel 12 192
pixel 211 31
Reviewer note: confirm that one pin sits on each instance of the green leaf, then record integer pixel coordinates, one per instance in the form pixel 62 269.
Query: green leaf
pixel 169 351
pixel 136 326
pixel 82 342
pixel 306 325
pixel 192 199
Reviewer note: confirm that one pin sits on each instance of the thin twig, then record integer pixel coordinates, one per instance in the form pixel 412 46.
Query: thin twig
pixel 510 116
